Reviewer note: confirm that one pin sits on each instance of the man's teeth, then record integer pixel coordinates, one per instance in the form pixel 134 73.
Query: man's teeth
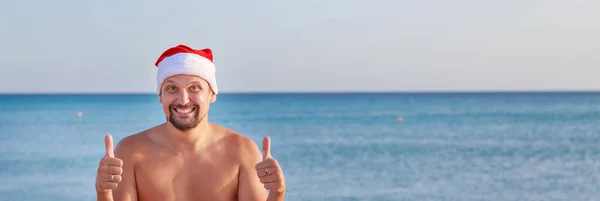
pixel 184 111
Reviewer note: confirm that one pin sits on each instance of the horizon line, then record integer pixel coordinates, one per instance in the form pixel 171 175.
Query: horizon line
pixel 319 92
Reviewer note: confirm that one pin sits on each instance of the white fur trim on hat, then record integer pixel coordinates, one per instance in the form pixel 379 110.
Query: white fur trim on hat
pixel 188 64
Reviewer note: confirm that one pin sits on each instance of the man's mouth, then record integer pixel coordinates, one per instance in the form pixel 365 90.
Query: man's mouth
pixel 185 110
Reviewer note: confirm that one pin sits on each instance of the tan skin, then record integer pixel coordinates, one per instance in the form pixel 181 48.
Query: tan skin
pixel 207 162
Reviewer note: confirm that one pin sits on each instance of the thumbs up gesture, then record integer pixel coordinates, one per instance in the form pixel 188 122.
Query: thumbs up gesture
pixel 268 170
pixel 109 170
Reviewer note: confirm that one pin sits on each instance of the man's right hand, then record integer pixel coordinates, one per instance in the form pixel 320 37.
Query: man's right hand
pixel 109 170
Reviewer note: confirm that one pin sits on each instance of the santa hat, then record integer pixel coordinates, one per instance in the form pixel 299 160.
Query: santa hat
pixel 182 59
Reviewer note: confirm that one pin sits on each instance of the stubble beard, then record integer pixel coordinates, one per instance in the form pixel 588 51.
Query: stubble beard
pixel 185 124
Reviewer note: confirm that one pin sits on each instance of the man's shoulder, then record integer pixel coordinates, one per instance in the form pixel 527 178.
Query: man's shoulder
pixel 237 143
pixel 135 143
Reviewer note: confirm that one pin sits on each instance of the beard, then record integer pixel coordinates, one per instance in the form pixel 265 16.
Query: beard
pixel 185 123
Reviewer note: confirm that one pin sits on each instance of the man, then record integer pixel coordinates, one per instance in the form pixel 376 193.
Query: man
pixel 188 157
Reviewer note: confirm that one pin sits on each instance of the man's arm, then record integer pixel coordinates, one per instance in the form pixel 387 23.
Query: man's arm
pixel 249 186
pixel 254 180
pixel 127 189
pixel 270 174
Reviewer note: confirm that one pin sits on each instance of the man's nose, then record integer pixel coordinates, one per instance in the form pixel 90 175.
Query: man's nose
pixel 183 98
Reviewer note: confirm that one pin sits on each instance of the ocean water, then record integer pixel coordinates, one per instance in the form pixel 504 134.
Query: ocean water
pixel 334 147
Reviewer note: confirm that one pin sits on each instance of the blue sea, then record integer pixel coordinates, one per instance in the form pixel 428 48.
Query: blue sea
pixel 333 147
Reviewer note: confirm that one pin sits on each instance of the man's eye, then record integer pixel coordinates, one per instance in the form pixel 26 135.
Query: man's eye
pixel 195 88
pixel 171 88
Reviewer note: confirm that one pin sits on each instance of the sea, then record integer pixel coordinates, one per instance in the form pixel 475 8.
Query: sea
pixel 493 146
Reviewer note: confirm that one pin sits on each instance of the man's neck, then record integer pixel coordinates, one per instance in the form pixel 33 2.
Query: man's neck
pixel 192 140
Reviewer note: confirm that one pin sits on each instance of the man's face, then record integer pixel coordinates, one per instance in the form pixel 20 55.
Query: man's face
pixel 185 100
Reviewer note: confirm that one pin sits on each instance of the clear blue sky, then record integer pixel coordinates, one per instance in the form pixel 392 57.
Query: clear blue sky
pixel 309 45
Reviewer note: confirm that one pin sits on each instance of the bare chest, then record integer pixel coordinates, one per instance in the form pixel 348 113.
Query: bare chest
pixel 176 178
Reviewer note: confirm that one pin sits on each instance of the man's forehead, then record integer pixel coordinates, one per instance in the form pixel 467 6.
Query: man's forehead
pixel 183 79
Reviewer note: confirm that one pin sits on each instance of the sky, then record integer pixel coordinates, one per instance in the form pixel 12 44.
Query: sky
pixel 304 46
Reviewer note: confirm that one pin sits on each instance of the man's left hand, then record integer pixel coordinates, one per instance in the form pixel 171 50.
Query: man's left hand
pixel 268 170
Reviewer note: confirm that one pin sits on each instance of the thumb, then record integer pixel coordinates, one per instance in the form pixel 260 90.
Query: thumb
pixel 266 146
pixel 108 144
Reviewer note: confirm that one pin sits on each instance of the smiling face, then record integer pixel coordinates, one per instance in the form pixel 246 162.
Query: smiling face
pixel 186 100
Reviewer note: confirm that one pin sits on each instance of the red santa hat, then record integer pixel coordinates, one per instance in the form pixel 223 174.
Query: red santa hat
pixel 182 59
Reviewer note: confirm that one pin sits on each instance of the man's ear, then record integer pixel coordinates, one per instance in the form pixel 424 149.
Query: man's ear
pixel 160 97
pixel 213 97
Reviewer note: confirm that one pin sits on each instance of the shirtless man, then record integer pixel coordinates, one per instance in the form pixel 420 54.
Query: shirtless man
pixel 187 157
